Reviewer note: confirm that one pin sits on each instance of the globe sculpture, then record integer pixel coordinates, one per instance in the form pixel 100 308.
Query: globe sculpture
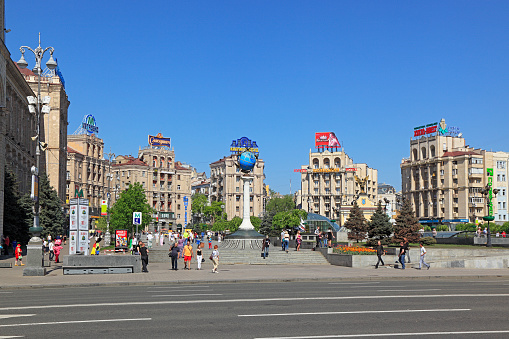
pixel 247 161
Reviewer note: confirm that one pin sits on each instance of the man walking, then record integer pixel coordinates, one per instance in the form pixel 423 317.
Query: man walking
pixel 265 247
pixel 379 253
pixel 407 249
pixel 402 255
pixel 423 253
pixel 317 236
pixel 144 256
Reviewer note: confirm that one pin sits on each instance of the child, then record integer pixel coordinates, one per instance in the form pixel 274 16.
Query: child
pixel 18 255
pixel 57 249
pixel 210 242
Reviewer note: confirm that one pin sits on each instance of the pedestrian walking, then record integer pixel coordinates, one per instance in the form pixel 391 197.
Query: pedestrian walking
pixel 188 254
pixel 330 236
pixel 287 240
pixel 144 256
pixel 56 250
pixel 379 252
pixel 210 241
pixel 215 259
pixel 265 246
pixel 407 249
pixel 402 255
pixel 423 253
pixel 150 239
pixel 19 255
pixel 51 247
pixel 317 237
pixel 434 233
pixel 174 254
pixel 180 244
pixel 199 256
pixel 282 240
pixel 298 239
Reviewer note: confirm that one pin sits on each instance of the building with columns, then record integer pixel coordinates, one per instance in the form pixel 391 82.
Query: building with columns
pixel 226 185
pixel 331 182
pixel 443 178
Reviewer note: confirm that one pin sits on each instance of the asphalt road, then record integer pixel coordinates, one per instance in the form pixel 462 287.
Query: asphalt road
pixel 456 308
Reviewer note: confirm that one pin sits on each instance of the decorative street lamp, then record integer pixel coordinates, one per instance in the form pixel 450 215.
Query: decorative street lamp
pixel 487 192
pixel 107 236
pixel 35 264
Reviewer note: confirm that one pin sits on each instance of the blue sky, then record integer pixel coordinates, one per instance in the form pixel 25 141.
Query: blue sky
pixel 207 72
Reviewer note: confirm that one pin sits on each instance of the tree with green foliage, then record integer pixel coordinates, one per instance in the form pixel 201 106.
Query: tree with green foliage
pixel 256 222
pixel 356 223
pixel 407 224
pixel 101 224
pixel 266 224
pixel 283 204
pixel 16 211
pixel 380 226
pixel 215 212
pixel 287 220
pixel 51 216
pixel 131 200
pixel 233 225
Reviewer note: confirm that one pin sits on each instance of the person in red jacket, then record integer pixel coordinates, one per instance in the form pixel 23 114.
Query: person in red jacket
pixel 56 250
pixel 19 255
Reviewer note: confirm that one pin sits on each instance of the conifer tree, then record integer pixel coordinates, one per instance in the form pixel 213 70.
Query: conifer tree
pixel 380 226
pixel 407 224
pixel 51 215
pixel 16 214
pixel 356 223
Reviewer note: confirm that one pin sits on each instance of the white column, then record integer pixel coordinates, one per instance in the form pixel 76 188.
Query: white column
pixel 246 220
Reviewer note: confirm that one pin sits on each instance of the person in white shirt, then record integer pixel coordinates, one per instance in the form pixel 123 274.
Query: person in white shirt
pixel 51 253
pixel 423 253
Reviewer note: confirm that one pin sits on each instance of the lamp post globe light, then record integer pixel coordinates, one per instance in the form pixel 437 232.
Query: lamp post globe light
pixel 35 256
pixel 486 192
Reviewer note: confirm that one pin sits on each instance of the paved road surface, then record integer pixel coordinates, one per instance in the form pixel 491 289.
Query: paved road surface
pixel 439 308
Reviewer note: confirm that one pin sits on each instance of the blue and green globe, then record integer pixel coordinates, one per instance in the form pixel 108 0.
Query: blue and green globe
pixel 247 160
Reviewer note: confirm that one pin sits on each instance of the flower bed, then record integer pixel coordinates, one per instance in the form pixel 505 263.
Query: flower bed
pixel 341 249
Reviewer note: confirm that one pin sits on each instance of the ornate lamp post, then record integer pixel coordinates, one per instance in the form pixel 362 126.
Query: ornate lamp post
pixel 35 255
pixel 487 192
pixel 107 236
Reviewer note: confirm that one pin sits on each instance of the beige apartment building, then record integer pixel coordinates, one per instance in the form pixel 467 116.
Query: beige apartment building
pixel 53 128
pixel 167 183
pixel 226 185
pixel 87 170
pixel 331 182
pixel 443 179
pixel 17 124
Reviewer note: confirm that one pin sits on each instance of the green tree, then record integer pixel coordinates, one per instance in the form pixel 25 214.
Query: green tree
pixel 51 216
pixel 283 204
pixel 356 223
pixel 131 200
pixel 16 212
pixel 380 226
pixel 287 220
pixel 407 224
pixel 215 211
pixel 101 224
pixel 233 225
pixel 266 224
pixel 256 222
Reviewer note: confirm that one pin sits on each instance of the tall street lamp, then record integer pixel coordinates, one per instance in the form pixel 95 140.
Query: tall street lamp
pixel 107 236
pixel 35 257
pixel 487 192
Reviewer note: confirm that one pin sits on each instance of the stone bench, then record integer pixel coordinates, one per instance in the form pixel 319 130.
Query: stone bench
pixel 70 270
pixel 101 264
pixel 5 265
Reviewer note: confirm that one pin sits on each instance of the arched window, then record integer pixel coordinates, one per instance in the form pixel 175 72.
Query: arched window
pixel 326 163
pixel 337 163
pixel 432 151
pixel 316 163
pixel 423 152
pixel 414 151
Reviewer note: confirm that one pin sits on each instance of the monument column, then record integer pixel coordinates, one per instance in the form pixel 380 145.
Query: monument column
pixel 246 218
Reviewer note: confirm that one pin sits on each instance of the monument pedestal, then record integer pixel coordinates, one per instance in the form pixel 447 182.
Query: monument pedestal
pixel 34 263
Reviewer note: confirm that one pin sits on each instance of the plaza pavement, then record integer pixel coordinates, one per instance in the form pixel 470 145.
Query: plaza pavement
pixel 160 274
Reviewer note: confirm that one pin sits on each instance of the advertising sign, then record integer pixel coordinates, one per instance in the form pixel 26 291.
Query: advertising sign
pixel 244 144
pixel 326 139
pixel 324 170
pixel 426 129
pixel 73 237
pixel 136 218
pixel 104 207
pixel 83 242
pixel 73 217
pixel 35 188
pixel 120 239
pixel 89 124
pixel 83 218
pixel 159 140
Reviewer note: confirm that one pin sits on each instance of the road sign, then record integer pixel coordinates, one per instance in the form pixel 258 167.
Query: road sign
pixel 186 200
pixel 136 218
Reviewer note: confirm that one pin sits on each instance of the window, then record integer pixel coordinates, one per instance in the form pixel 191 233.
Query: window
pixel 316 190
pixel 317 183
pixel 251 198
pixel 501 164
pixel 237 179
pixel 178 177
pixel 237 208
pixel 454 162
pixel 442 172
pixel 251 209
pixel 237 198
pixel 455 181
pixel 123 173
pixel 250 189
pixel 178 206
pixel 237 170
pixel 178 187
pixel 143 173
pixel 237 189
pixel 454 171
pixel 476 161
pixel 178 216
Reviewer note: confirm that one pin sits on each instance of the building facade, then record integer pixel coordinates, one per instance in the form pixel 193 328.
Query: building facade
pixel 443 178
pixel 331 182
pixel 226 186
pixel 53 128
pixel 167 183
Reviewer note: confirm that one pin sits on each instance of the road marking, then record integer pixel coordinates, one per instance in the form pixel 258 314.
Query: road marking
pixel 10 337
pixel 362 283
pixel 5 292
pixel 386 334
pixel 159 291
pixel 182 287
pixel 424 289
pixel 355 312
pixel 218 301
pixel 75 322
pixel 5 316
pixel 183 295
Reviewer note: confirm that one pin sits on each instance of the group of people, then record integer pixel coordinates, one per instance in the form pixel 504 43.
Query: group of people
pixel 54 247
pixel 404 253
pixel 324 239
pixel 184 248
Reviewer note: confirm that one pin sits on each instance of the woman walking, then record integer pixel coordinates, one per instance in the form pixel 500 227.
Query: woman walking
pixel 299 240
pixel 215 259
pixel 19 256
pixel 174 255
pixel 199 256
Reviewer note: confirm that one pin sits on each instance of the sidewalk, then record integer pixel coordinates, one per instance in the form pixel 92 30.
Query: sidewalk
pixel 159 274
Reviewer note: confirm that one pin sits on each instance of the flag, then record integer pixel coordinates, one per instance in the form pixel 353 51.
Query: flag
pixel 302 227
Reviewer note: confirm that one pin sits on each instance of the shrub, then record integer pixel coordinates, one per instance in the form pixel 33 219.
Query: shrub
pixel 428 241
pixel 374 242
pixel 354 250
pixel 427 229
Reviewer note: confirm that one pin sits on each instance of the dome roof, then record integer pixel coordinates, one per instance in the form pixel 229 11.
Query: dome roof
pixel 318 217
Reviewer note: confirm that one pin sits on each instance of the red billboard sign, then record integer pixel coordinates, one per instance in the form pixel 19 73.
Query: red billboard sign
pixel 426 129
pixel 326 139
pixel 120 239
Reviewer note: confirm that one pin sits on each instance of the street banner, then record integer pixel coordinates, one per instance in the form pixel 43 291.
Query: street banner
pixel 104 207
pixel 73 237
pixel 73 218
pixel 83 219
pixel 83 242
pixel 326 139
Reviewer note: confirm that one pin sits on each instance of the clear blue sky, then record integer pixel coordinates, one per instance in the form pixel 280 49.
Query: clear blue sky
pixel 207 72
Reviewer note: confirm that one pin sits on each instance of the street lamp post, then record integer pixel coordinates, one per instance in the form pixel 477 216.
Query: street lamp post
pixel 35 256
pixel 486 192
pixel 107 236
